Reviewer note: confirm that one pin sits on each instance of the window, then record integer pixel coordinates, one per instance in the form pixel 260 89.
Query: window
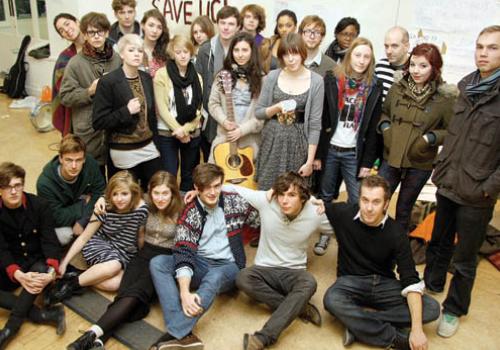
pixel 24 17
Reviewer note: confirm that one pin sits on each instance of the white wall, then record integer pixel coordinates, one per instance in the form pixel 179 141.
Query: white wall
pixel 452 22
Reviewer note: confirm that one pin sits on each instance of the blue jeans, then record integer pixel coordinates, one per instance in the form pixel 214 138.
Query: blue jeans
pixel 211 277
pixel 338 163
pixel 470 224
pixel 412 181
pixel 372 307
pixel 171 150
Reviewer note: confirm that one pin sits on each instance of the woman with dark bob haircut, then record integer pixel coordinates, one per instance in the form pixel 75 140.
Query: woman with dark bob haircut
pixel 414 120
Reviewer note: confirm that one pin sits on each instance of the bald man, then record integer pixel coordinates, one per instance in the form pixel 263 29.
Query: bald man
pixel 396 45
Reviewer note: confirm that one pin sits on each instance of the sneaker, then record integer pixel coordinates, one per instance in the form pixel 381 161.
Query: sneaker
pixel 311 314
pixel 348 338
pixel 322 244
pixel 252 342
pixel 448 325
pixel 85 342
pixel 190 341
pixel 162 340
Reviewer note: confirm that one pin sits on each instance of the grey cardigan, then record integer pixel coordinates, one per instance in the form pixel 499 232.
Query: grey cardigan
pixel 314 104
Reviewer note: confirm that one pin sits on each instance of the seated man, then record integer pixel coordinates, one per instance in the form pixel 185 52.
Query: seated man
pixel 207 257
pixel 366 297
pixel 71 183
pixel 29 254
pixel 279 278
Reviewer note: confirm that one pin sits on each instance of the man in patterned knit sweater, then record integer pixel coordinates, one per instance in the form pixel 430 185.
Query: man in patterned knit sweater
pixel 207 257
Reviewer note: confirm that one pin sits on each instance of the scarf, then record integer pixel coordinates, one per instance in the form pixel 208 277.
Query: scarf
pixel 417 94
pixel 61 115
pixel 99 55
pixel 185 112
pixel 479 86
pixel 350 87
pixel 336 52
pixel 239 72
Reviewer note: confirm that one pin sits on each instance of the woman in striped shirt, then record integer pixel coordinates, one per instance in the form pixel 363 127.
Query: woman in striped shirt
pixel 109 241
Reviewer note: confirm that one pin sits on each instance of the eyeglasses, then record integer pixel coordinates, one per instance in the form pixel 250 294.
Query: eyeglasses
pixel 310 32
pixel 17 187
pixel 93 33
pixel 348 35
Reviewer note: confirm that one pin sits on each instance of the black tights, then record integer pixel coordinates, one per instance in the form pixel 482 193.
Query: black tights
pixel 116 314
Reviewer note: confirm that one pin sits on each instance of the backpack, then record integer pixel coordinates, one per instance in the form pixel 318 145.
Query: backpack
pixel 13 84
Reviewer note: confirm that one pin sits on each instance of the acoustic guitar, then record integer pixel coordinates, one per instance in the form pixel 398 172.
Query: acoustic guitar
pixel 237 162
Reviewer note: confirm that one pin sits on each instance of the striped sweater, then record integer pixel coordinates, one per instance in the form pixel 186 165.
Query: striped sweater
pixel 385 73
pixel 238 215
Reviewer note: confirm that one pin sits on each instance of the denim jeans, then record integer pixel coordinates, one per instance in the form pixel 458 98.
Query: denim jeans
pixel 211 277
pixel 336 164
pixel 372 307
pixel 171 150
pixel 412 181
pixel 470 224
pixel 286 292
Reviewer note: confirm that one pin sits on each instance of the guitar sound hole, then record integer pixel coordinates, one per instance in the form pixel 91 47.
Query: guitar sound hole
pixel 234 161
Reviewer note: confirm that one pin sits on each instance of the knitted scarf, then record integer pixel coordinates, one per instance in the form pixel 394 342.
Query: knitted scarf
pixel 419 95
pixel 61 115
pixel 349 86
pixel 479 86
pixel 99 55
pixel 185 112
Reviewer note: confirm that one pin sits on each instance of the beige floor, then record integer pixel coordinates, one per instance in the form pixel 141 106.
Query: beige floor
pixel 222 328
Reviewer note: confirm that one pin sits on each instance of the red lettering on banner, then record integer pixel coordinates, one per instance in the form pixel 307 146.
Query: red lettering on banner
pixel 181 11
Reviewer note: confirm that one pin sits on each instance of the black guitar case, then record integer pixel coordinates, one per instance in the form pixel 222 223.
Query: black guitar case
pixel 13 84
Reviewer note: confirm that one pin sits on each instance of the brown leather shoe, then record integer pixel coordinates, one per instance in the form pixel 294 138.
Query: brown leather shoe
pixel 189 342
pixel 311 314
pixel 251 342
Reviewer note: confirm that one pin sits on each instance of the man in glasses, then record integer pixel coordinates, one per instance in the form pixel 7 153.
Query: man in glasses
pixel 80 80
pixel 71 183
pixel 313 29
pixel 29 254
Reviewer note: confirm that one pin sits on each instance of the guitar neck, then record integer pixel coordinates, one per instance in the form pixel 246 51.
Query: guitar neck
pixel 233 149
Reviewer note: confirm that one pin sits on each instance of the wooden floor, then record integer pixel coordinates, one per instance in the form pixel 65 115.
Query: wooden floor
pixel 222 328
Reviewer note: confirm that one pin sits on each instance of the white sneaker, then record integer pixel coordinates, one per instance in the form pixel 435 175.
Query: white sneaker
pixel 448 325
pixel 322 244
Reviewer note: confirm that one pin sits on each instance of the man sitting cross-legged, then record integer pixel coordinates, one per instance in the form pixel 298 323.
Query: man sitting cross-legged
pixel 279 278
pixel 366 297
pixel 207 257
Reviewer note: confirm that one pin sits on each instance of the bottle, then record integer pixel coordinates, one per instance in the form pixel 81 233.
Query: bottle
pixel 374 169
pixel 46 95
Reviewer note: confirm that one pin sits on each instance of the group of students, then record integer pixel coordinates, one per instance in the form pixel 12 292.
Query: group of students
pixel 137 107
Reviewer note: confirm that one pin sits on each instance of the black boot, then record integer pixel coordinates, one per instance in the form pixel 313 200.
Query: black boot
pixel 6 335
pixel 85 342
pixel 55 315
pixel 62 290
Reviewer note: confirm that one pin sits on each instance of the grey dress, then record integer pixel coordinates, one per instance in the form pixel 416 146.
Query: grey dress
pixel 283 147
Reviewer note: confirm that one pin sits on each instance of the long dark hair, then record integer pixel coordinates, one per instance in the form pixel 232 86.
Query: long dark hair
pixel 160 50
pixel 253 67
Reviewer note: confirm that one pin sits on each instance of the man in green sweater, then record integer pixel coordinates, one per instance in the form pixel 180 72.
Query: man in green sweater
pixel 71 183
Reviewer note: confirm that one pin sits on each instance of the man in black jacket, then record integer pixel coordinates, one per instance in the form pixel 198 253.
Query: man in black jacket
pixel 367 297
pixel 467 175
pixel 29 253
